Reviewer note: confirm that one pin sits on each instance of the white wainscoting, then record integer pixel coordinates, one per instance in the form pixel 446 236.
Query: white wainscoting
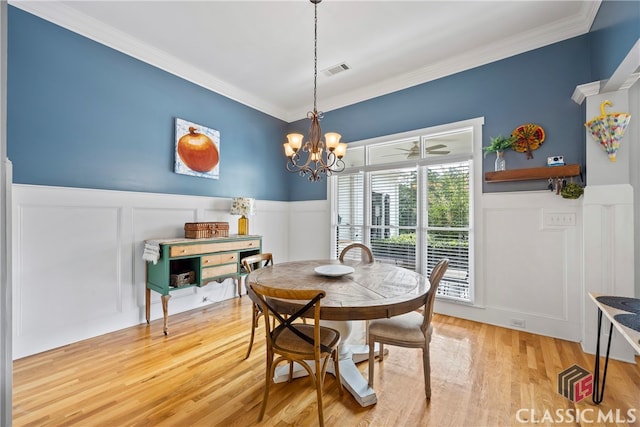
pixel 528 264
pixel 608 259
pixel 310 230
pixel 78 272
pixel 77 266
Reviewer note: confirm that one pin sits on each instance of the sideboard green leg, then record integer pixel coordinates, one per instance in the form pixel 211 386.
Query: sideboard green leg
pixel 147 304
pixel 165 312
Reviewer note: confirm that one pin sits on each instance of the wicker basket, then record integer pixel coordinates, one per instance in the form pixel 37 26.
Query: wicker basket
pixel 221 229
pixel 198 230
pixel 182 279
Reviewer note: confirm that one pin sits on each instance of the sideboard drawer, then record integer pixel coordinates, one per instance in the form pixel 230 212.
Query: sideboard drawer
pixel 185 250
pixel 217 259
pixel 220 270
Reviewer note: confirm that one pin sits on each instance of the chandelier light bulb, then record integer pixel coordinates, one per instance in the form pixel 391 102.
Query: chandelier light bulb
pixel 340 150
pixel 288 151
pixel 332 140
pixel 295 141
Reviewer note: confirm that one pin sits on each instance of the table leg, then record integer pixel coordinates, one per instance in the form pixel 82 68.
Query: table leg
pixel 165 312
pixel 598 390
pixel 147 304
pixel 355 383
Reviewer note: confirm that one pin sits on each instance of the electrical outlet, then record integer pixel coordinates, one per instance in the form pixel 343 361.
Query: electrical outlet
pixel 518 323
pixel 559 219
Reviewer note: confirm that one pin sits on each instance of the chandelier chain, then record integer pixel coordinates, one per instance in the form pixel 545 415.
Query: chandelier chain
pixel 324 156
pixel 315 58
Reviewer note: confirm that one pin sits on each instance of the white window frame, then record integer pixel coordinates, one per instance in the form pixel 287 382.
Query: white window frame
pixel 475 189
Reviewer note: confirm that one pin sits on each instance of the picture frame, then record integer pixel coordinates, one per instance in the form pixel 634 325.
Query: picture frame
pixel 197 150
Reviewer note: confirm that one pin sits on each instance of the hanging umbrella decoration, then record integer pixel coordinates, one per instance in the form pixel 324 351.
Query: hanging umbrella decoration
pixel 608 129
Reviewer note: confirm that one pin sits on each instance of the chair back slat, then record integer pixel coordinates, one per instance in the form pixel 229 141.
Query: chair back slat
pixel 253 262
pixel 365 252
pixel 308 298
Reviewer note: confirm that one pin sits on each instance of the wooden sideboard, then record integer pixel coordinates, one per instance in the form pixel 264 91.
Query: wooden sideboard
pixel 209 259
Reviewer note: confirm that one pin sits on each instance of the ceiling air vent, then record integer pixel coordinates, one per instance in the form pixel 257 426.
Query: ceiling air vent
pixel 332 71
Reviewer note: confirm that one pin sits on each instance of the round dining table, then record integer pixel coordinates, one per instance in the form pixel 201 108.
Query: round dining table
pixel 355 290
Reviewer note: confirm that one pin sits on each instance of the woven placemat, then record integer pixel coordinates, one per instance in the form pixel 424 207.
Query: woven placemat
pixel 629 320
pixel 632 305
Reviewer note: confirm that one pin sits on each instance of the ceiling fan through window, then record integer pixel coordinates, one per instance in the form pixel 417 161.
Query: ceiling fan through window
pixel 414 151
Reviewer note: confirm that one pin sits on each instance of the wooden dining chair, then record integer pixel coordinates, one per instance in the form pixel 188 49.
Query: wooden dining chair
pixel 298 342
pixel 251 263
pixel 365 255
pixel 365 251
pixel 411 329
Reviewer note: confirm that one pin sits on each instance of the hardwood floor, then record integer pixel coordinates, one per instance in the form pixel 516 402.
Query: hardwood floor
pixel 481 375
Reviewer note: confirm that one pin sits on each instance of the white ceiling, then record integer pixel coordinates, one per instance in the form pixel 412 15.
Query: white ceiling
pixel 260 53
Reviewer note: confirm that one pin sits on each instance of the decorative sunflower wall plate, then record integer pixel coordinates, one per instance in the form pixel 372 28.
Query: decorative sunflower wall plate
pixel 529 137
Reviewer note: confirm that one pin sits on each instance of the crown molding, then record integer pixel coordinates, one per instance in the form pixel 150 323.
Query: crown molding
pixel 69 18
pixel 524 42
pixel 627 72
pixel 581 92
pixel 625 76
pixel 77 22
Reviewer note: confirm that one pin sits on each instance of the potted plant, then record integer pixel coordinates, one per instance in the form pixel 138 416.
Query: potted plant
pixel 498 145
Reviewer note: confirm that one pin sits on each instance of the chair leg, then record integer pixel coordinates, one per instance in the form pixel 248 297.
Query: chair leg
pixel 372 345
pixel 254 325
pixel 336 368
pixel 319 385
pixel 366 332
pixel 270 371
pixel 427 371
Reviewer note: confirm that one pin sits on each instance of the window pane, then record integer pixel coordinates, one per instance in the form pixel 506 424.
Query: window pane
pixel 448 195
pixel 397 249
pixel 394 152
pixel 455 246
pixel 448 226
pixel 452 143
pixel 350 209
pixel 354 157
pixel 393 205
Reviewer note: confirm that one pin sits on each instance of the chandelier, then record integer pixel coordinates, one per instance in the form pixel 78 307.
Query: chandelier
pixel 323 156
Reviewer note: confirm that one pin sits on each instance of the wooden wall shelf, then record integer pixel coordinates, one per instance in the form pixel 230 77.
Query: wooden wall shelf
pixel 544 172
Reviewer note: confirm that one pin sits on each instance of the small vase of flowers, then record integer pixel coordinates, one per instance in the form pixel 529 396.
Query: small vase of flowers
pixel 498 145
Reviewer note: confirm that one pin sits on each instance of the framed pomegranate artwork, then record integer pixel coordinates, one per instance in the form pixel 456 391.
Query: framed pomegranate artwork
pixel 197 150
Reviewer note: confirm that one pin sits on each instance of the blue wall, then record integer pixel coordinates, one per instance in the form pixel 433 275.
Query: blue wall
pixel 534 87
pixel 613 33
pixel 81 114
